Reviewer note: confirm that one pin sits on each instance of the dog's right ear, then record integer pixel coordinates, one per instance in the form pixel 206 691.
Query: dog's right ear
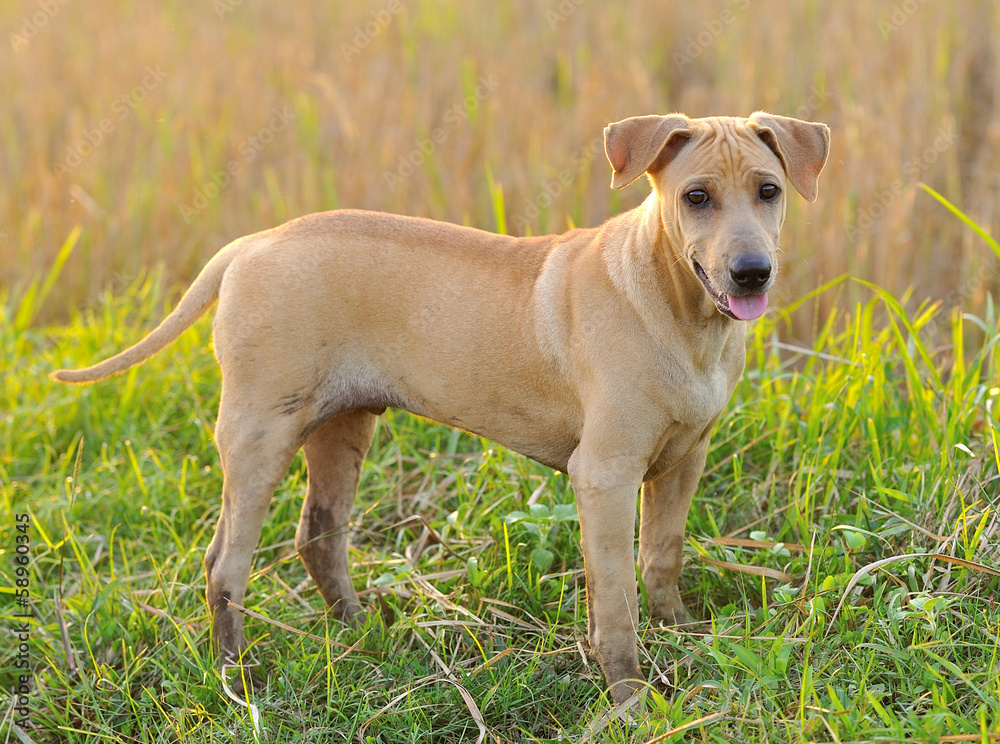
pixel 634 145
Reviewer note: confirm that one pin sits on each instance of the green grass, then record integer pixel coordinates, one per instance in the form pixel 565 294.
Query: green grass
pixel 880 441
pixel 877 442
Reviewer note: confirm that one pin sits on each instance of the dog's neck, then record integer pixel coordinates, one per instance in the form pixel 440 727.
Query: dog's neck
pixel 651 248
pixel 674 309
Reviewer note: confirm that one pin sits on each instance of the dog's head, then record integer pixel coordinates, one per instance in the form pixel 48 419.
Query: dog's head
pixel 720 183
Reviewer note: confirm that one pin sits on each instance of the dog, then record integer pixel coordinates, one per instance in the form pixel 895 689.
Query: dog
pixel 608 353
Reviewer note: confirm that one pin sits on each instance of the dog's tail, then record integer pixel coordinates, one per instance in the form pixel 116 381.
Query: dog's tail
pixel 200 296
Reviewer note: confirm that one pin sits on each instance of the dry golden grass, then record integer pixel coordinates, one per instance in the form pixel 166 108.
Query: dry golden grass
pixel 517 93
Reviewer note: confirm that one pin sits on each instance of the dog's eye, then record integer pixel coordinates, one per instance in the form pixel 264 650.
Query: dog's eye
pixel 769 192
pixel 696 197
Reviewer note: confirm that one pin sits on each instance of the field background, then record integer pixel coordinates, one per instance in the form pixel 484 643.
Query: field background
pixel 875 440
pixel 909 96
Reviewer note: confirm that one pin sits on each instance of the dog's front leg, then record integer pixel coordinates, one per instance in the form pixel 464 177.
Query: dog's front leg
pixel 606 492
pixel 664 509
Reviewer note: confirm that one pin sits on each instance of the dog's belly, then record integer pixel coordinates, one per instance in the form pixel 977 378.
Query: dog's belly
pixel 526 416
pixel 523 421
pixel 547 441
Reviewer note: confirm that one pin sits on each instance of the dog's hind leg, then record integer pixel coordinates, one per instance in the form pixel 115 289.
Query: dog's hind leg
pixel 334 456
pixel 256 446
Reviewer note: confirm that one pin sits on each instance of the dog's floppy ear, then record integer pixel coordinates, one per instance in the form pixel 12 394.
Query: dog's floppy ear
pixel 633 145
pixel 801 146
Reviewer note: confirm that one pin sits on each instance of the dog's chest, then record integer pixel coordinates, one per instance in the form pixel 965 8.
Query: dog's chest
pixel 699 403
pixel 692 402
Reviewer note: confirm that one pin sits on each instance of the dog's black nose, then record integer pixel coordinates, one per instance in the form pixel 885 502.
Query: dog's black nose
pixel 750 272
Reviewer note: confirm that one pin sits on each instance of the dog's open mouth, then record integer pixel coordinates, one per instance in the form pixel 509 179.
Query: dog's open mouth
pixel 745 307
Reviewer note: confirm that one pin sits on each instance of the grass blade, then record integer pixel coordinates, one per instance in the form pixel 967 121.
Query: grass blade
pixel 990 241
pixel 35 296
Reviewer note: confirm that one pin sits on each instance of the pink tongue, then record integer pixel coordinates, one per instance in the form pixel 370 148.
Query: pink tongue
pixel 749 307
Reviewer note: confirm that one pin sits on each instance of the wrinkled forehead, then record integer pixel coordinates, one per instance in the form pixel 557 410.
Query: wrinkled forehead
pixel 727 144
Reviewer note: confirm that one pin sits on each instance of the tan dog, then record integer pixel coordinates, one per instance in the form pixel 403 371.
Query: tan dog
pixel 606 352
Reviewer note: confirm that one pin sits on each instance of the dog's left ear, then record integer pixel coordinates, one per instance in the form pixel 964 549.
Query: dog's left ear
pixel 801 146
pixel 634 145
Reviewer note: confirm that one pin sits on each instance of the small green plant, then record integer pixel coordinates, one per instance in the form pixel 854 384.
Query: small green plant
pixel 541 523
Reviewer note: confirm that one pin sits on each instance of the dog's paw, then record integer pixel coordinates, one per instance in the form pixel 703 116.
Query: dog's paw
pixel 348 612
pixel 668 616
pixel 242 677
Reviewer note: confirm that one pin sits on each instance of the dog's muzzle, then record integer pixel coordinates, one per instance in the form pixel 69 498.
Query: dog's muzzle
pixel 752 275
